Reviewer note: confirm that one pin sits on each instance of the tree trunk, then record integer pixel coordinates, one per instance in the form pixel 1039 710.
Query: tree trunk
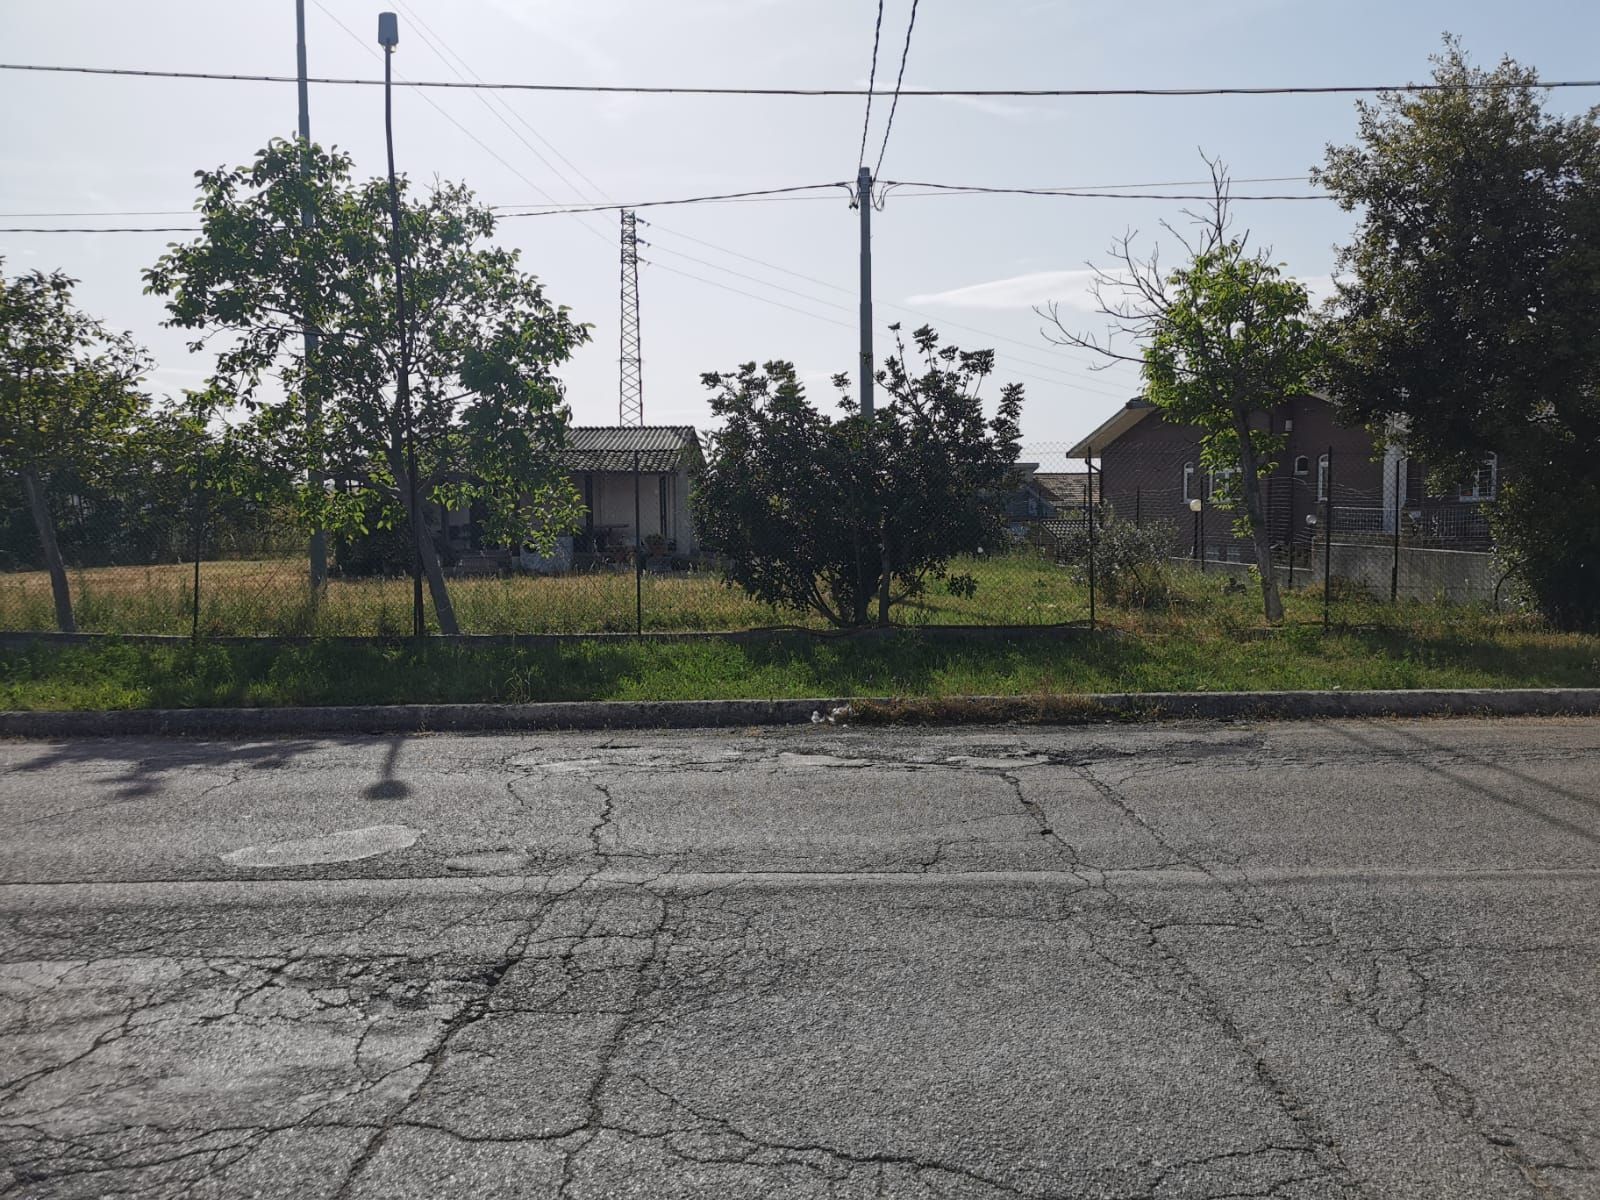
pixel 59 588
pixel 442 608
pixel 1255 514
pixel 861 595
pixel 431 570
pixel 885 577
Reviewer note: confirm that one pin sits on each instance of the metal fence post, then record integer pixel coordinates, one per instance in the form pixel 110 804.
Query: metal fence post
pixel 1293 485
pixel 1327 552
pixel 1088 455
pixel 638 555
pixel 199 525
pixel 1138 495
pixel 1394 569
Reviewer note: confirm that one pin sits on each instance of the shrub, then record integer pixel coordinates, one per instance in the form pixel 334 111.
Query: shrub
pixel 1131 562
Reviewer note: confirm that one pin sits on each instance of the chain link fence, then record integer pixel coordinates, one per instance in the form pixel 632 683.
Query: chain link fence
pixel 1377 529
pixel 180 558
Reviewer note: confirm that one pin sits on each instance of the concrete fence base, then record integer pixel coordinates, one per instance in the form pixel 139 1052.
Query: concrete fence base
pixel 710 714
pixel 1425 574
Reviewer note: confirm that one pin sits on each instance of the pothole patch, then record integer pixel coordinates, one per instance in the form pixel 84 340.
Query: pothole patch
pixel 790 759
pixel 997 763
pixel 492 862
pixel 346 845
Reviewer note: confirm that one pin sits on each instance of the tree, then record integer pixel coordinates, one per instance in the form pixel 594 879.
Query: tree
pixel 1226 338
pixel 68 401
pixel 483 405
pixel 831 515
pixel 1464 318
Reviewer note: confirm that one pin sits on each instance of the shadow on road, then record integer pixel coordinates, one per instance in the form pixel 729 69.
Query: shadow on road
pixel 388 786
pixel 138 767
pixel 1497 795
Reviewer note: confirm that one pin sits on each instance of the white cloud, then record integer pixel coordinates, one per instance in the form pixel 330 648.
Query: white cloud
pixel 1070 289
pixel 1008 110
pixel 1320 287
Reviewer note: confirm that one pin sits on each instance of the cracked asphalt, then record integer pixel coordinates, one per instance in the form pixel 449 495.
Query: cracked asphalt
pixel 1197 961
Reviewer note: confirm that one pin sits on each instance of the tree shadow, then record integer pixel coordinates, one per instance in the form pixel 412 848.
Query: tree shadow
pixel 140 765
pixel 1459 780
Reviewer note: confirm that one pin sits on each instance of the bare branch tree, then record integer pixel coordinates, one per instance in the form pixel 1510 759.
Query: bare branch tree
pixel 1219 340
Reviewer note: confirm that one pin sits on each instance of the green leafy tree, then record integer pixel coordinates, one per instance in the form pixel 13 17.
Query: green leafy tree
pixel 1465 316
pixel 834 515
pixel 482 403
pixel 69 401
pixel 1226 338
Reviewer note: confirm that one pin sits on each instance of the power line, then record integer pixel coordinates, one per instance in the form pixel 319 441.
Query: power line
pixel 842 324
pixel 114 229
pixel 443 112
pixel 55 216
pixel 979 190
pixel 894 105
pixel 749 295
pixel 551 212
pixel 752 278
pixel 441 48
pixel 730 199
pixel 933 189
pixel 872 80
pixel 939 320
pixel 678 90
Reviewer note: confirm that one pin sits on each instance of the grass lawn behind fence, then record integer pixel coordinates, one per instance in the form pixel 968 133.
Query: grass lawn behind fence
pixel 271 597
pixel 1212 641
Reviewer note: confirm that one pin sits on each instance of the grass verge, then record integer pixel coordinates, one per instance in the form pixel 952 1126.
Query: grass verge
pixel 1456 650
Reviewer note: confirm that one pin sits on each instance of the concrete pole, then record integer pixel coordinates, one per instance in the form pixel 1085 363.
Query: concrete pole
pixel 864 203
pixel 403 370
pixel 319 539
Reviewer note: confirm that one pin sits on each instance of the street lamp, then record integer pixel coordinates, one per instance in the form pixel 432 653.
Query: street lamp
pixel 389 38
pixel 1197 507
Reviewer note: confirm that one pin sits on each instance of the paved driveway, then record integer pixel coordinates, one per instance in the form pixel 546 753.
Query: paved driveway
pixel 1341 959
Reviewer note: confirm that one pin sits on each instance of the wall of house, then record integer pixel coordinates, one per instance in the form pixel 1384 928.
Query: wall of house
pixel 1144 478
pixel 663 507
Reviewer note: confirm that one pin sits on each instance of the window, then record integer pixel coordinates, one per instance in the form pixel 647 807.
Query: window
pixel 1219 484
pixel 1302 465
pixel 1482 484
pixel 1188 482
pixel 1322 477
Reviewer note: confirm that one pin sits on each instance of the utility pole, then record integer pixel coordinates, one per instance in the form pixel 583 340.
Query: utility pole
pixel 864 203
pixel 313 402
pixel 389 38
pixel 630 398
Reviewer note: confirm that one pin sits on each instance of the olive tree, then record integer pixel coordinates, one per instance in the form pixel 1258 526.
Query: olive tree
pixel 836 515
pixel 69 402
pixel 478 410
pixel 1221 339
pixel 1465 312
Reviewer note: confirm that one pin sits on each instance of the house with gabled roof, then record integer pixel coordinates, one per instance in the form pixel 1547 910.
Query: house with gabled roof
pixel 635 482
pixel 1150 469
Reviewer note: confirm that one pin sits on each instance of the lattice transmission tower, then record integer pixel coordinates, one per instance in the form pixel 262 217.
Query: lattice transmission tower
pixel 630 407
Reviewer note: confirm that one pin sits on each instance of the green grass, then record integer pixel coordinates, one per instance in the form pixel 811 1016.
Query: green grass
pixel 270 597
pixel 1209 637
pixel 1204 652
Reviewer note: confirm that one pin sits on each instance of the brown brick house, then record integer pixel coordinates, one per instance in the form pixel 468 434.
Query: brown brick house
pixel 1150 470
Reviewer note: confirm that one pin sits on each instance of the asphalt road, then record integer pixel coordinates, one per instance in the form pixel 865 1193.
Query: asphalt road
pixel 1183 961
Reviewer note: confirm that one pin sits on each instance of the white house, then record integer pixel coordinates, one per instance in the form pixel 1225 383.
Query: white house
pixel 623 470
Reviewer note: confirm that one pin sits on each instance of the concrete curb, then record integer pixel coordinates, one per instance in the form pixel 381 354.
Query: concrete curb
pixel 711 714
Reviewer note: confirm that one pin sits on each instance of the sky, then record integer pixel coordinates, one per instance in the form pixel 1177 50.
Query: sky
pixel 973 266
